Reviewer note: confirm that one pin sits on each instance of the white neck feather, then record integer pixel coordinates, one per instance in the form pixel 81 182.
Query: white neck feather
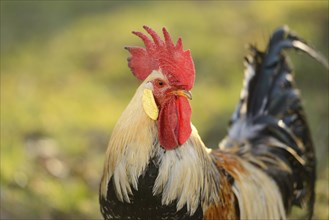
pixel 186 174
pixel 183 172
pixel 129 149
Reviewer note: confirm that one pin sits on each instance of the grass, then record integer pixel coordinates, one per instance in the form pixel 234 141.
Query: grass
pixel 65 83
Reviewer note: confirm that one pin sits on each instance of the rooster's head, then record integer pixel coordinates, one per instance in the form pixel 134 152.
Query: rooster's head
pixel 168 73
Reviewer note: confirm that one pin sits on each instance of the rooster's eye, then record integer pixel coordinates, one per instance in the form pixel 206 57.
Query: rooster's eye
pixel 160 83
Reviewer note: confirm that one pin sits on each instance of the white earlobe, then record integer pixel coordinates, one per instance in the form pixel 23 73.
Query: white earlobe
pixel 149 105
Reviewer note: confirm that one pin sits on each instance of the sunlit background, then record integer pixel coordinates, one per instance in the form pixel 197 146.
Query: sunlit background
pixel 65 81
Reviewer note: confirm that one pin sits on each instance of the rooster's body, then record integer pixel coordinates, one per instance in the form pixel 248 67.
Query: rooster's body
pixel 157 166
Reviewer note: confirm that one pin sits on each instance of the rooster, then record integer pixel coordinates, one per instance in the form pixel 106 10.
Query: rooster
pixel 157 166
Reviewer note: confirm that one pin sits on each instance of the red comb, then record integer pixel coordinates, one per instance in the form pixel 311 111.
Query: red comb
pixel 172 60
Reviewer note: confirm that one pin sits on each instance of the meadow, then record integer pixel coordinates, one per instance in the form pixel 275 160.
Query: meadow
pixel 65 82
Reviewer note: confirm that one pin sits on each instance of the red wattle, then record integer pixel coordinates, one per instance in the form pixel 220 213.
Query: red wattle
pixel 174 126
pixel 184 119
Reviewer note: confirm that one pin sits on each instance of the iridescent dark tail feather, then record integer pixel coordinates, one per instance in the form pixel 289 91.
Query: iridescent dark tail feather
pixel 270 108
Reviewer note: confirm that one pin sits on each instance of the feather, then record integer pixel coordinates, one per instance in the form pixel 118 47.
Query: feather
pixel 278 137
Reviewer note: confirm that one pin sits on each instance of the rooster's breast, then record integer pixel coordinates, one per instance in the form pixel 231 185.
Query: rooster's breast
pixel 143 204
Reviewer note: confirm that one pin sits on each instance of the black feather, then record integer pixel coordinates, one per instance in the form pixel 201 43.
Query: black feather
pixel 270 99
pixel 143 204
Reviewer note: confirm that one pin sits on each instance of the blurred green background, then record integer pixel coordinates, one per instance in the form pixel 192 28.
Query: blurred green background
pixel 65 81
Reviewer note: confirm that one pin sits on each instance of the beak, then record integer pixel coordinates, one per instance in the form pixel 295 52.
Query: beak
pixel 184 93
